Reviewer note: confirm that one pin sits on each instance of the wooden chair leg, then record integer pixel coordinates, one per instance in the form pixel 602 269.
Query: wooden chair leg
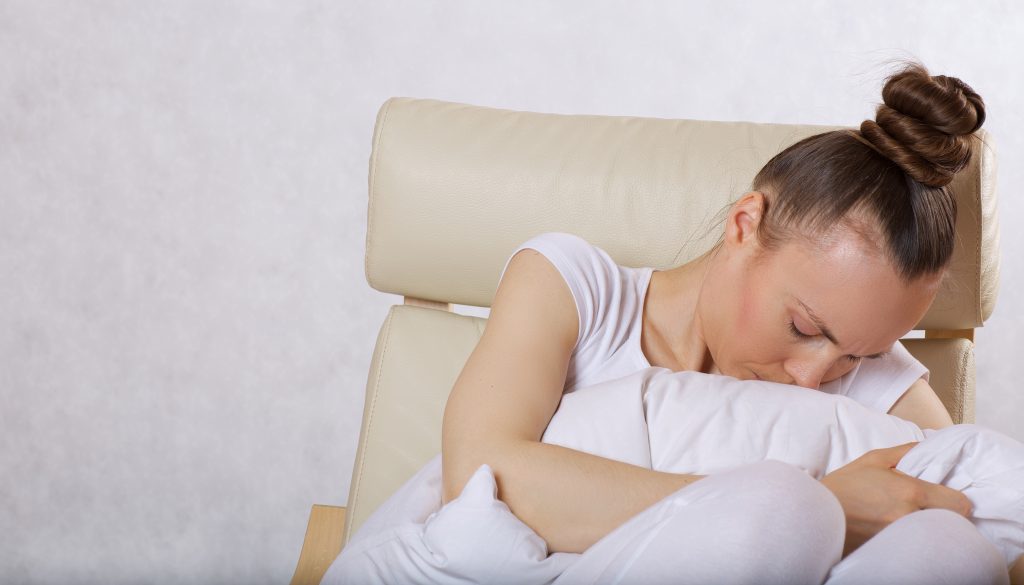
pixel 322 544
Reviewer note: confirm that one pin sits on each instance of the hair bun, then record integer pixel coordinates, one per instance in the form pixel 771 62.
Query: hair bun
pixel 925 124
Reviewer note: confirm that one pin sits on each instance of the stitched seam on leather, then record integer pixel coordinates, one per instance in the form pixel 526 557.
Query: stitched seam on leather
pixel 960 380
pixel 373 407
pixel 372 183
pixel 981 235
pixel 964 377
pixel 985 187
pixel 970 373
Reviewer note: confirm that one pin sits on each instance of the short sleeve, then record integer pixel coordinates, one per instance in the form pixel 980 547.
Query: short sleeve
pixel 879 383
pixel 590 273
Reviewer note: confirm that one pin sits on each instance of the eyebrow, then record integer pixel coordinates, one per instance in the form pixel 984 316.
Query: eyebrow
pixel 828 334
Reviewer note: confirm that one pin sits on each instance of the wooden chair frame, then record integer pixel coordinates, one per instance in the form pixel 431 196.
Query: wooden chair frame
pixel 323 541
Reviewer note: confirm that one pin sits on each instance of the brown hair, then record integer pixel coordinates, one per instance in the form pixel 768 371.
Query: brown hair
pixel 894 173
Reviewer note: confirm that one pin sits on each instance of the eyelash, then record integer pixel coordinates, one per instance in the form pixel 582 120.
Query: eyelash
pixel 796 332
pixel 801 335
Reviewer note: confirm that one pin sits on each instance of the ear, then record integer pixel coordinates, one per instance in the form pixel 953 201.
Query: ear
pixel 744 220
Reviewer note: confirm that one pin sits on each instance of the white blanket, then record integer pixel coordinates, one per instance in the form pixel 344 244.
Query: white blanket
pixel 682 422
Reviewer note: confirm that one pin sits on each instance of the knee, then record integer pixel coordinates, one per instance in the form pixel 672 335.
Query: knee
pixel 791 518
pixel 947 521
pixel 958 548
pixel 928 546
pixel 790 499
pixel 957 535
pixel 766 522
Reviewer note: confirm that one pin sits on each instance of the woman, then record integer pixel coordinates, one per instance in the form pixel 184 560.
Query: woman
pixel 835 253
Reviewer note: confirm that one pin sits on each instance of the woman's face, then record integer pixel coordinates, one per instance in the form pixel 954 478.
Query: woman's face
pixel 804 313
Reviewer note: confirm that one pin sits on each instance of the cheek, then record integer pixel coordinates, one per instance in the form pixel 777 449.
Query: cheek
pixel 749 334
pixel 747 314
pixel 763 320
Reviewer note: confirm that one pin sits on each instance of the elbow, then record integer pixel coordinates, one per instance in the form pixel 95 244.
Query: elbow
pixel 461 458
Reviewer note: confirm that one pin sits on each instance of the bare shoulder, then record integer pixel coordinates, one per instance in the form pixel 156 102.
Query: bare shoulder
pixel 533 298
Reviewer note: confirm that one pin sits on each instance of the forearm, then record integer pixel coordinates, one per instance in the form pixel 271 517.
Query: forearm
pixel 570 498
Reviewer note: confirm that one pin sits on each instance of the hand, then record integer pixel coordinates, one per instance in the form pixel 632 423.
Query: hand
pixel 874 494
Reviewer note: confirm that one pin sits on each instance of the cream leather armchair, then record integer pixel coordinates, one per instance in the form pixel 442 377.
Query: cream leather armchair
pixel 455 188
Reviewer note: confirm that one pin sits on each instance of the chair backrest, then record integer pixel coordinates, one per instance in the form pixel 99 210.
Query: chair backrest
pixel 455 188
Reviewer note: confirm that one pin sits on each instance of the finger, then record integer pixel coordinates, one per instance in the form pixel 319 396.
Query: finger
pixel 939 496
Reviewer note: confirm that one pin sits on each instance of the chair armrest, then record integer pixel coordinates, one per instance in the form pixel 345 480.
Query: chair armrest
pixel 321 545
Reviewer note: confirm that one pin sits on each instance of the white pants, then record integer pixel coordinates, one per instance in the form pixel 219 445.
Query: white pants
pixel 760 517
pixel 768 523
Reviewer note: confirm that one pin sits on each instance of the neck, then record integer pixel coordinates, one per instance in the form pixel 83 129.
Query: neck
pixel 673 335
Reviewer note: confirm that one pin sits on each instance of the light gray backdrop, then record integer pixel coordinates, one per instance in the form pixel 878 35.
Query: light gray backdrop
pixel 185 328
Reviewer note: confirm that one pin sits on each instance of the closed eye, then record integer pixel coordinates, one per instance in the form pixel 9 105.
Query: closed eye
pixel 801 335
pixel 796 332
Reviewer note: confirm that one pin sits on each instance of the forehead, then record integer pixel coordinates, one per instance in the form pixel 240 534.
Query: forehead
pixel 852 288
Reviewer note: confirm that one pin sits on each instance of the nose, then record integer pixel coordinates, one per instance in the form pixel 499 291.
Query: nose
pixel 808 371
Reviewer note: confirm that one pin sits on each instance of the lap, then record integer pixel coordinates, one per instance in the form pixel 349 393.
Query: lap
pixel 766 522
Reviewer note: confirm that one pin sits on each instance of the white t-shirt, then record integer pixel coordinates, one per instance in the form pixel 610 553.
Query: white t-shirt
pixel 610 299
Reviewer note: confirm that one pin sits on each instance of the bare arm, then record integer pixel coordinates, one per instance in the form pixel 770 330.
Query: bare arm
pixel 502 402
pixel 921 406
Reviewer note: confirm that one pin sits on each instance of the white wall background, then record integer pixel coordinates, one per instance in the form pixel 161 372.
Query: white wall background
pixel 185 328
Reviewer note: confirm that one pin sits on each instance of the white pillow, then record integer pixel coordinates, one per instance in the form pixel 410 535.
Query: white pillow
pixel 689 422
pixel 474 538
